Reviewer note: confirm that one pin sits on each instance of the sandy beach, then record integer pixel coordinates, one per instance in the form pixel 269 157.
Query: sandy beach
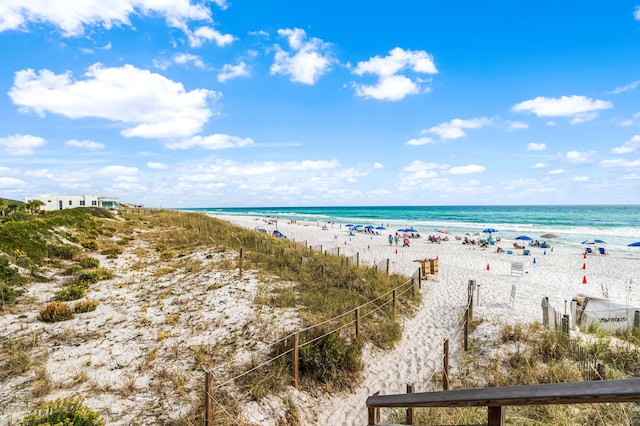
pixel 556 273
pixel 135 349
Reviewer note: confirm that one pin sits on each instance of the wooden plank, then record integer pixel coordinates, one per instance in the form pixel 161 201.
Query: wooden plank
pixel 557 393
pixel 496 416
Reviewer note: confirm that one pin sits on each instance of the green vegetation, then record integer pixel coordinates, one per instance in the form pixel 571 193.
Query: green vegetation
pixel 55 311
pixel 63 412
pixel 529 355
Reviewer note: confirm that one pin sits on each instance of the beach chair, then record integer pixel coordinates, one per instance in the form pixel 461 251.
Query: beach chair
pixel 601 250
pixel 509 251
pixel 527 252
pixel 588 250
pixel 405 242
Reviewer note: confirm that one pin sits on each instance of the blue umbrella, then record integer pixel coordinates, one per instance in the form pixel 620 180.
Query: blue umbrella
pixel 411 230
pixel 402 230
pixel 369 227
pixel 349 224
pixel 524 238
pixel 636 244
pixel 490 231
pixel 381 227
pixel 594 241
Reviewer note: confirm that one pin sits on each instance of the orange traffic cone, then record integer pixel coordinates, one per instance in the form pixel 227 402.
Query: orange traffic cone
pixel 584 279
pixel 396 251
pixel 436 257
pixel 369 246
pixel 585 255
pixel 584 266
pixel 488 267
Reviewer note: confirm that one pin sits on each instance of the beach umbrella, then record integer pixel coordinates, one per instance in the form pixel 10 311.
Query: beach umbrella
pixel 524 238
pixel 550 236
pixel 490 230
pixel 402 230
pixel 368 227
pixel 594 241
pixel 349 225
pixel 411 230
pixel 382 228
pixel 636 244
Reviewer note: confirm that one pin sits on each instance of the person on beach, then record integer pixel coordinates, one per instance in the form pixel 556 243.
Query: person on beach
pixel 390 240
pixel 397 238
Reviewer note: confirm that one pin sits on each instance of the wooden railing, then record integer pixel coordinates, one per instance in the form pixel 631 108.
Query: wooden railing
pixel 496 399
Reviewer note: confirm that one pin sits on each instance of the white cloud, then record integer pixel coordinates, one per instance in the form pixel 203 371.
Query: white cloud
pixel 579 157
pixel 465 170
pixel 21 144
pixel 377 165
pixel 620 163
pixel 630 86
pixel 86 144
pixel 515 125
pixel 580 178
pixel 550 123
pixel 216 141
pixel 454 128
pixel 392 86
pixel 636 13
pixel 388 88
pixel 557 171
pixel 536 146
pixel 629 146
pixel 308 60
pixel 417 165
pixel 202 34
pixel 419 141
pixel 151 105
pixel 72 17
pixel 398 60
pixel 185 58
pixel 157 166
pixel 634 120
pixel 580 108
pixel 232 71
pixel 10 183
pixel 539 166
pixel 118 171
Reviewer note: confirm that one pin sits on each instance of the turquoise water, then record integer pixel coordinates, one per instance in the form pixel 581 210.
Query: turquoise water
pixel 618 225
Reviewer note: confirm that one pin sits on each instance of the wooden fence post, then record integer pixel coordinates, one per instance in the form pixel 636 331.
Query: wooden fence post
pixel 496 416
pixel 636 319
pixel 387 266
pixel 565 324
pixel 472 285
pixel 545 311
pixel 296 362
pixel 394 301
pixel 357 258
pixel 240 261
pixel 357 313
pixel 465 327
pixel 208 402
pixel 409 419
pixel 420 278
pixel 601 371
pixel 445 366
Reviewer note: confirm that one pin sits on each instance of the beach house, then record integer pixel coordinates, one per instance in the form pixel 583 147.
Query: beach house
pixel 59 202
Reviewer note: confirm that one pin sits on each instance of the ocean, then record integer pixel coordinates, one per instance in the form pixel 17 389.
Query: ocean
pixel 618 225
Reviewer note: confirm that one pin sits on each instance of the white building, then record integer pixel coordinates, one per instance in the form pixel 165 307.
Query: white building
pixel 59 202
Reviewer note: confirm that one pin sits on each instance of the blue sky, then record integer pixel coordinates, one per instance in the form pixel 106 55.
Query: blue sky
pixel 188 103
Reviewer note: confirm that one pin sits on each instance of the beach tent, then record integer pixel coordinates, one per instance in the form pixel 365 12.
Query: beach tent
pixel 603 313
pixel 524 238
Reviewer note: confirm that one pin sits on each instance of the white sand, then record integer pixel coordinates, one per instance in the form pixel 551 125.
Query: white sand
pixel 557 274
pixel 108 355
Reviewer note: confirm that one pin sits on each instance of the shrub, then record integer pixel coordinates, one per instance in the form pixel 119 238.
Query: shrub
pixel 70 292
pixel 329 358
pixel 91 276
pixel 86 306
pixel 89 262
pixel 63 412
pixel 167 254
pixel 55 311
pixel 112 252
pixel 90 244
pixel 65 251
pixel 72 270
pixel 7 295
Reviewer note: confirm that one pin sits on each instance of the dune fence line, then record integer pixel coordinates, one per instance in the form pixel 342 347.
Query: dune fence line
pixel 287 349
